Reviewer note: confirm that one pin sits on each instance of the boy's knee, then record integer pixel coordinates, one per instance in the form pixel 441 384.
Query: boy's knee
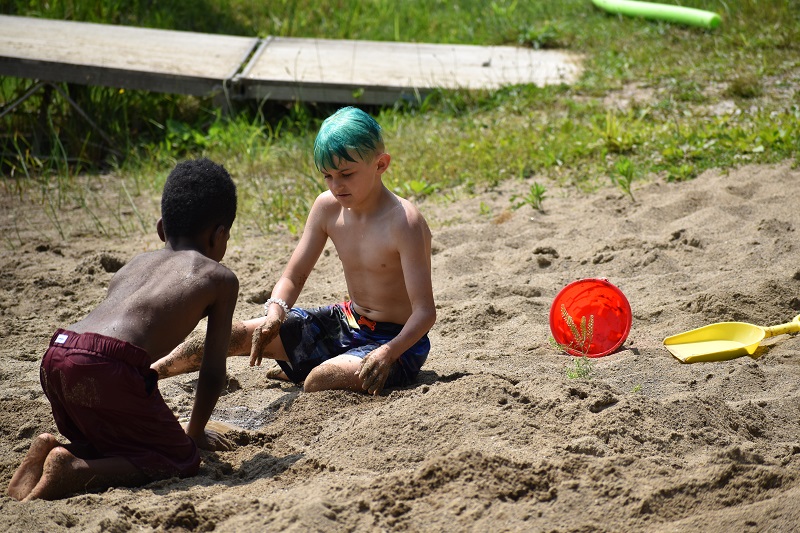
pixel 325 377
pixel 316 379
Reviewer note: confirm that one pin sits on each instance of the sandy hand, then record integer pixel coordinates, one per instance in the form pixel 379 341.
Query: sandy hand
pixel 214 438
pixel 373 372
pixel 262 336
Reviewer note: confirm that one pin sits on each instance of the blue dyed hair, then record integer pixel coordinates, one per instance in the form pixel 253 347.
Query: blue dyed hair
pixel 349 130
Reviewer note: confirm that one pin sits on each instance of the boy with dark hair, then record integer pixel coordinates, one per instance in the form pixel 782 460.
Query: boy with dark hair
pixel 379 336
pixel 96 373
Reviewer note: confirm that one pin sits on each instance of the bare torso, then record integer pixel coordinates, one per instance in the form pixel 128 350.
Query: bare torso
pixel 368 247
pixel 156 300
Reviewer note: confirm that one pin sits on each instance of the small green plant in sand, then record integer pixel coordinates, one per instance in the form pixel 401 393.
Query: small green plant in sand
pixel 581 368
pixel 746 86
pixel 623 176
pixel 637 388
pixel 534 197
pixel 616 134
pixel 581 334
pixel 682 172
pixel 417 189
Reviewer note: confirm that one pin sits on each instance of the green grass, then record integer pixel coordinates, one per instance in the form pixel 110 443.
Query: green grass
pixel 580 368
pixel 454 143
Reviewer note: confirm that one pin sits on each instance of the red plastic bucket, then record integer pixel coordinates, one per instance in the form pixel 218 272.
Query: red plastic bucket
pixel 590 317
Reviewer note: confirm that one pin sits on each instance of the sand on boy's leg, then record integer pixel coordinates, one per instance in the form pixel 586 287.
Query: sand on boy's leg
pixel 276 372
pixel 188 356
pixel 50 470
pixel 339 372
pixel 62 473
pixel 30 470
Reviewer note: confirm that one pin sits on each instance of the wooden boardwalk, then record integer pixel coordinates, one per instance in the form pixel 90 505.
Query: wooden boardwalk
pixel 119 56
pixel 280 68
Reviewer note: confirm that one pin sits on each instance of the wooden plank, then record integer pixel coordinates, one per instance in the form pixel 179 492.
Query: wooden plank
pixel 120 56
pixel 283 68
pixel 350 71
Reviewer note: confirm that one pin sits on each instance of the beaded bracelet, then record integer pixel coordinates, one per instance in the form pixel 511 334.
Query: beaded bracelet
pixel 276 301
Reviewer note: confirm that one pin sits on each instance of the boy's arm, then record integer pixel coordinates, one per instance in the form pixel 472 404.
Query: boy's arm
pixel 294 276
pixel 414 245
pixel 213 367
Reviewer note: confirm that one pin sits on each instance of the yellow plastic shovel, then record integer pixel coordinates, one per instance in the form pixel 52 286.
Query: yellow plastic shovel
pixel 724 340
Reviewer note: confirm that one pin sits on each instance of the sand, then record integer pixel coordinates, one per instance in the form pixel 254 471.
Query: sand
pixel 495 436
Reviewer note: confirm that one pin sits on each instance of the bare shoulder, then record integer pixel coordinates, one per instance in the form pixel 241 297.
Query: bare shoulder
pixel 198 282
pixel 407 217
pixel 214 272
pixel 326 203
pixel 178 262
pixel 324 213
pixel 169 268
pixel 218 270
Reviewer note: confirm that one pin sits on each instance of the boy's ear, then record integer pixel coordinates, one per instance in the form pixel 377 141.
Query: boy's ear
pixel 383 162
pixel 160 230
pixel 219 236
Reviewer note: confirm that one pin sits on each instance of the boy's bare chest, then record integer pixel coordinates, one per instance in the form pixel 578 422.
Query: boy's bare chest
pixel 365 247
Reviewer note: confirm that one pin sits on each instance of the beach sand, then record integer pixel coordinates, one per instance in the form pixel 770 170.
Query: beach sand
pixel 495 436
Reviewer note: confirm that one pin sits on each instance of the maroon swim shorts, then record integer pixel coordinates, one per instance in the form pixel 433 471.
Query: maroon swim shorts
pixel 105 399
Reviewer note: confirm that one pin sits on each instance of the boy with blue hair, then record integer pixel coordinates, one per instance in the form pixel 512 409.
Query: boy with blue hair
pixel 376 338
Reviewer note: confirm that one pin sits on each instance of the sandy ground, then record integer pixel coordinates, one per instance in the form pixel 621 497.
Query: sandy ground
pixel 495 436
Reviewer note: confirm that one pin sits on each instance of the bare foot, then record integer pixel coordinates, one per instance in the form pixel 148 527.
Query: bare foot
pixel 58 476
pixel 277 372
pixel 30 471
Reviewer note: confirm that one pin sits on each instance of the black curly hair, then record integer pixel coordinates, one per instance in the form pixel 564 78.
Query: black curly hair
pixel 198 194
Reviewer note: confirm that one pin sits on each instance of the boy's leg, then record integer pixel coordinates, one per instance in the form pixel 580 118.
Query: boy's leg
pixel 338 373
pixel 30 470
pixel 188 355
pixel 63 474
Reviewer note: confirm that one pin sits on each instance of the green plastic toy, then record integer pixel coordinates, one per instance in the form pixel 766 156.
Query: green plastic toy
pixel 669 13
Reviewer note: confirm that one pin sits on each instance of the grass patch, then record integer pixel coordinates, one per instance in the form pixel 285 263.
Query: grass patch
pixel 580 368
pixel 701 99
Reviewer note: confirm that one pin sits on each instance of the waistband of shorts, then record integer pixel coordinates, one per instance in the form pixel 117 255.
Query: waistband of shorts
pixel 101 345
pixel 365 323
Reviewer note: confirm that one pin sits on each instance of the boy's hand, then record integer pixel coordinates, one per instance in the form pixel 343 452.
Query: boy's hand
pixel 214 441
pixel 262 336
pixel 374 371
pixel 213 438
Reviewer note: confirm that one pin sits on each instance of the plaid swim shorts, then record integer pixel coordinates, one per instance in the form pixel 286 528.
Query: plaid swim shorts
pixel 313 336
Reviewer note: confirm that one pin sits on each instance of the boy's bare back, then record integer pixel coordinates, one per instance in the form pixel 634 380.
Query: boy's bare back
pixel 152 303
pixel 158 298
